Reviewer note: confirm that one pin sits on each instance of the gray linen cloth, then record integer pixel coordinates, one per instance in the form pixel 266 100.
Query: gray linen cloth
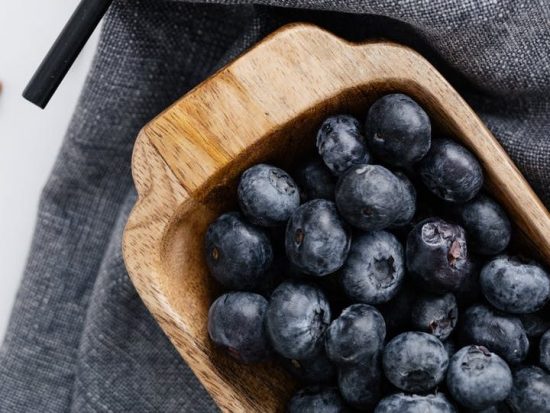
pixel 80 338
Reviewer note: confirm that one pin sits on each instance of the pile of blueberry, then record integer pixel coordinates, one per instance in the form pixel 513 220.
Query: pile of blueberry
pixel 378 276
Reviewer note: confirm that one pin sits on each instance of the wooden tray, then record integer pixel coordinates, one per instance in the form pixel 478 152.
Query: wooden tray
pixel 265 106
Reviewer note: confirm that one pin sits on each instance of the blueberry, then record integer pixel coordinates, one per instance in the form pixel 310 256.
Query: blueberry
pixel 356 336
pixel 317 240
pixel 415 361
pixel 315 369
pixel 451 172
pixel 535 324
pixel 267 195
pixel 238 254
pixel 340 143
pixel 370 197
pixel 515 286
pixel 398 130
pixel 360 385
pixel 236 322
pixel 412 403
pixel 296 319
pixel 375 268
pixel 408 199
pixel 501 333
pixel 316 399
pixel 435 314
pixel 477 378
pixel 544 347
pixel 315 181
pixel 397 311
pixel 437 255
pixel 531 391
pixel 486 224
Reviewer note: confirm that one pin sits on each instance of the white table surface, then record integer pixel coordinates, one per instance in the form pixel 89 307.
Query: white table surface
pixel 29 137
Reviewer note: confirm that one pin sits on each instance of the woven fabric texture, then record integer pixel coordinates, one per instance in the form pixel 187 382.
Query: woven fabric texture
pixel 80 339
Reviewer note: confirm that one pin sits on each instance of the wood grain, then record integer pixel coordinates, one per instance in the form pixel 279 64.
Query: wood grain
pixel 265 106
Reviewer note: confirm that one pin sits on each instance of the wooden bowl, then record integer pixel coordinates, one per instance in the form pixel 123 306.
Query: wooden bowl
pixel 265 107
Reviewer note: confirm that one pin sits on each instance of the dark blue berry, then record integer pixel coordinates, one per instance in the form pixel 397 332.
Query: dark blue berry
pixel 356 336
pixel 317 399
pixel 435 314
pixel 315 181
pixel 361 385
pixel 340 143
pixel 296 319
pixel 317 239
pixel 501 333
pixel 370 197
pixel 544 347
pixel 412 403
pixel 515 286
pixel 437 255
pixel 451 172
pixel 236 322
pixel 267 195
pixel 531 391
pixel 408 199
pixel 315 369
pixel 238 254
pixel 487 225
pixel 415 361
pixel 398 130
pixel 375 268
pixel 477 378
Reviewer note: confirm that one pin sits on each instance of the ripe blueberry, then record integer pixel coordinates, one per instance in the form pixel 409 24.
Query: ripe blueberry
pixel 317 241
pixel 374 269
pixel 267 195
pixel 315 181
pixel 487 225
pixel 369 197
pixel 238 254
pixel 451 172
pixel 398 130
pixel 415 361
pixel 316 399
pixel 501 333
pixel 296 319
pixel 236 322
pixel 435 314
pixel 477 378
pixel 340 143
pixel 356 336
pixel 437 255
pixel 408 199
pixel 531 391
pixel 515 286
pixel 412 403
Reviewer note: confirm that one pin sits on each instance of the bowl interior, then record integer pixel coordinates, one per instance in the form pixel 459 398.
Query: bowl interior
pixel 185 280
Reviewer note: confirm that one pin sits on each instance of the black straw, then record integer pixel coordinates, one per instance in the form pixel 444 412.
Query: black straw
pixel 64 51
